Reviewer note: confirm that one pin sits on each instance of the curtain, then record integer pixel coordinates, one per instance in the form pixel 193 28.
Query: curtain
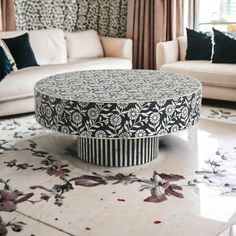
pixel 108 17
pixel 191 8
pixel 150 22
pixel 7 14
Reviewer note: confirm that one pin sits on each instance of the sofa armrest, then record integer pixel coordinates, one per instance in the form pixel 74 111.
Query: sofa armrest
pixel 166 52
pixel 117 47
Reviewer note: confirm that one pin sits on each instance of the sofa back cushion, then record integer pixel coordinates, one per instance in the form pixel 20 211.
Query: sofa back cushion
pixel 5 65
pixel 224 48
pixel 84 44
pixel 48 45
pixel 8 54
pixel 21 51
pixel 183 44
pixel 199 45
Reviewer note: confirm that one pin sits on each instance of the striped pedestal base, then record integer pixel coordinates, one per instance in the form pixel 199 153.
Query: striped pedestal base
pixel 118 152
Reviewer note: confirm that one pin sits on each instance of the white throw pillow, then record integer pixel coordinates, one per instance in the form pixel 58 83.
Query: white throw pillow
pixel 49 46
pixel 84 44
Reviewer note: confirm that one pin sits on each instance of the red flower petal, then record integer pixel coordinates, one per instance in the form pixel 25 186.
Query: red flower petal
pixel 7 206
pixel 171 177
pixel 121 200
pixel 24 198
pixel 157 222
pixel 8 195
pixel 89 181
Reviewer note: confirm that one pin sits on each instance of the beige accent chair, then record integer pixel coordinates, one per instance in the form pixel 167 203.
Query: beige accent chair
pixel 60 52
pixel 218 79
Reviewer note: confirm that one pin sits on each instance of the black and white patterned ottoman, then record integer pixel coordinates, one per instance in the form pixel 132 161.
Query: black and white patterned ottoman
pixel 118 115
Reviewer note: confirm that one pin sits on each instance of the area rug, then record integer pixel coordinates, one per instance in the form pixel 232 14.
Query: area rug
pixel 190 189
pixel 217 113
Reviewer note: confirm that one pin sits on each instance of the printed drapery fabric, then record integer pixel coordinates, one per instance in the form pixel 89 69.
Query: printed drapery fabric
pixel 107 17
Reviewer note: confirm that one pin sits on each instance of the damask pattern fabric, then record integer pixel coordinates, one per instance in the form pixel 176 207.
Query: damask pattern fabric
pixel 107 17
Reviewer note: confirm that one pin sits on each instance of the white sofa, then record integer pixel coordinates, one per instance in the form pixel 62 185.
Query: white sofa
pixel 60 52
pixel 218 79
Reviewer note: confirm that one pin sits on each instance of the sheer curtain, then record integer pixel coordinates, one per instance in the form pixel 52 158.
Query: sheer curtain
pixel 7 14
pixel 191 15
pixel 150 22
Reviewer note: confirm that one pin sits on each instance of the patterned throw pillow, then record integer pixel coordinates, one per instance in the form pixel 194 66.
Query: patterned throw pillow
pixel 5 65
pixel 224 48
pixel 199 46
pixel 21 51
pixel 8 54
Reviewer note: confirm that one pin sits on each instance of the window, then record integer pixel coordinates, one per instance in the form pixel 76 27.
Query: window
pixel 220 14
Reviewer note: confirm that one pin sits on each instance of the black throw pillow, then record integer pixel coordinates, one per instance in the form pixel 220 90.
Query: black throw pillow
pixel 5 65
pixel 224 48
pixel 199 46
pixel 21 51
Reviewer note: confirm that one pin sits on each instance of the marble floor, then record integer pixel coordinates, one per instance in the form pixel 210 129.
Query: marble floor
pixel 200 163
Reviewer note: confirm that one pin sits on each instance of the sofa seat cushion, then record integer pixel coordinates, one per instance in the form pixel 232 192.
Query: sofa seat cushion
pixel 20 84
pixel 107 63
pixel 210 74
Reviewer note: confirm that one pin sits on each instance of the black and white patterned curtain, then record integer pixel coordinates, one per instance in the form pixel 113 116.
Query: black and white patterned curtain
pixel 108 17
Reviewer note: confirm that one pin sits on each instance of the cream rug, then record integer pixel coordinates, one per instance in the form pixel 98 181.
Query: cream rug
pixel 189 190
pixel 226 115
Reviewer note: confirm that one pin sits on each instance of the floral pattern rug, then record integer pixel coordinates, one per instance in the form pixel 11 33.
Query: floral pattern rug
pixel 46 190
pixel 226 115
